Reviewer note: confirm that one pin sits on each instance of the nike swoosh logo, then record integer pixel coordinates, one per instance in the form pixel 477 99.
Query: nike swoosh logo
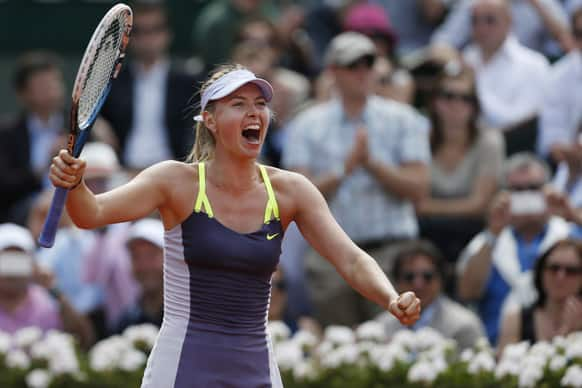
pixel 271 236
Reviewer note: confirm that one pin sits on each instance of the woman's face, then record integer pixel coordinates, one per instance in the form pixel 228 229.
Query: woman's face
pixel 454 103
pixel 240 122
pixel 562 276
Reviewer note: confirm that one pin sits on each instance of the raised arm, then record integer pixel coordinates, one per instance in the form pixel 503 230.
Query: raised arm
pixel 360 270
pixel 134 200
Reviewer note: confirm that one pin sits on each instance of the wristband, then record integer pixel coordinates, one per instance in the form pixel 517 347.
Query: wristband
pixel 77 184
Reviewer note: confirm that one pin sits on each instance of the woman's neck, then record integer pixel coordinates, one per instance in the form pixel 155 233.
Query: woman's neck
pixel 455 135
pixel 553 309
pixel 233 175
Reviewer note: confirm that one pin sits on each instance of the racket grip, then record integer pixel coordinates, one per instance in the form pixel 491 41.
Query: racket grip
pixel 51 224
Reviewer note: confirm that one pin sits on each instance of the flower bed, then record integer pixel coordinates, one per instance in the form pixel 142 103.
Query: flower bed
pixel 361 358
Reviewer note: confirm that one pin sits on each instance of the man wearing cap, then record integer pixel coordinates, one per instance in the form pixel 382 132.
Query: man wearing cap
pixel 146 246
pixel 368 156
pixel 25 303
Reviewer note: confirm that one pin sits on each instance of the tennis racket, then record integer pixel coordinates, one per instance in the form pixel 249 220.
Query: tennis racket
pixel 99 67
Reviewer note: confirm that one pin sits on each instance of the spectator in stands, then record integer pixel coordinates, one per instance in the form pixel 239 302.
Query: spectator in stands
pixel 28 296
pixel 30 139
pixel 510 77
pixel 146 242
pixel 419 266
pixel 147 106
pixel 414 21
pixel 466 163
pixel 495 268
pixel 393 83
pixel 537 24
pixel 369 158
pixel 561 115
pixel 221 20
pixel 558 308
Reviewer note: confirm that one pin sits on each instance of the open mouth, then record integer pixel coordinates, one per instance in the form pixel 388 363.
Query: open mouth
pixel 252 133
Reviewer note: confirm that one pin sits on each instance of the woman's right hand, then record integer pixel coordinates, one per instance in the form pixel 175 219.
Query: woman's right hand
pixel 66 171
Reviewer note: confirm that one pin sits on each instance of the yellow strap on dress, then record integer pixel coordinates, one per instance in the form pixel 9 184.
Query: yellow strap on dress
pixel 202 199
pixel 272 209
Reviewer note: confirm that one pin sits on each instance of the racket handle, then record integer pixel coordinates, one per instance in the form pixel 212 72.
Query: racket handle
pixel 51 224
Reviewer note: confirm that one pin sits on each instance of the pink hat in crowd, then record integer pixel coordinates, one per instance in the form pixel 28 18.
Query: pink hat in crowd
pixel 371 20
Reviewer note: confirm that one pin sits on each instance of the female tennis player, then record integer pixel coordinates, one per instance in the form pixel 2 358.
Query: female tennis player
pixel 224 216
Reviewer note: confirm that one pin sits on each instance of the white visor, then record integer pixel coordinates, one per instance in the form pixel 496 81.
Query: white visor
pixel 230 82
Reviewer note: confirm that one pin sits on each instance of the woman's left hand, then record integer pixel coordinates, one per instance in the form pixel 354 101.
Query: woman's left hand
pixel 406 308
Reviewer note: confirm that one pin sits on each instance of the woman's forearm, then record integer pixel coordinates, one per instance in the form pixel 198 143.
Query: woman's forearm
pixel 82 207
pixel 366 277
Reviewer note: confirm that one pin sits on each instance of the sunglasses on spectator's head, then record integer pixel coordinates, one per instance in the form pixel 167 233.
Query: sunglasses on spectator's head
pixel 449 95
pixel 569 270
pixel 409 277
pixel 487 19
pixel 530 187
pixel 365 61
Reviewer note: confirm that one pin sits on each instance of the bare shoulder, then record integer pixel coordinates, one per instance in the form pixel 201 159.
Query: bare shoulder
pixel 287 182
pixel 170 171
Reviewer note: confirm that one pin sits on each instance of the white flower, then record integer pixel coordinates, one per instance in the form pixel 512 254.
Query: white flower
pixel 304 370
pixel 146 333
pixel 288 354
pixel 507 368
pixel 41 350
pixel 16 358
pixel 306 340
pixel 323 348
pixel 482 344
pixel 64 361
pixel 422 371
pixel 371 331
pixel 427 337
pixel 131 360
pixel 559 342
pixel 345 354
pixel 38 378
pixel 339 335
pixel 404 338
pixel 439 364
pixel 529 376
pixel 27 336
pixel 482 362
pixel 574 347
pixel 543 348
pixel 279 331
pixel 105 355
pixel 5 342
pixel 515 352
pixel 558 362
pixel 467 355
pixel 573 377
pixel 385 356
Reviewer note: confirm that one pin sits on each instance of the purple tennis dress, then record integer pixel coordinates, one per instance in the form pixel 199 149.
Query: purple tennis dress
pixel 217 285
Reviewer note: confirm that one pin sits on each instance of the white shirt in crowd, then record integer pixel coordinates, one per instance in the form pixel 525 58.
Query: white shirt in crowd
pixel 528 26
pixel 147 142
pixel 511 84
pixel 561 115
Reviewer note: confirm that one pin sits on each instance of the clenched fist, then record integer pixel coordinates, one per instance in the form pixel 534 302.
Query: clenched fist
pixel 66 171
pixel 406 308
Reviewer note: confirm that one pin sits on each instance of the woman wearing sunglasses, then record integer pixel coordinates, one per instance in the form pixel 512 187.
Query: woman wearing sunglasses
pixel 558 309
pixel 466 163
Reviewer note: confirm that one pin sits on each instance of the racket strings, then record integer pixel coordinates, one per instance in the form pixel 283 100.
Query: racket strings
pixel 99 70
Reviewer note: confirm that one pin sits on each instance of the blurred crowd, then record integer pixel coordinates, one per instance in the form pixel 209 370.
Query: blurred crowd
pixel 446 136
